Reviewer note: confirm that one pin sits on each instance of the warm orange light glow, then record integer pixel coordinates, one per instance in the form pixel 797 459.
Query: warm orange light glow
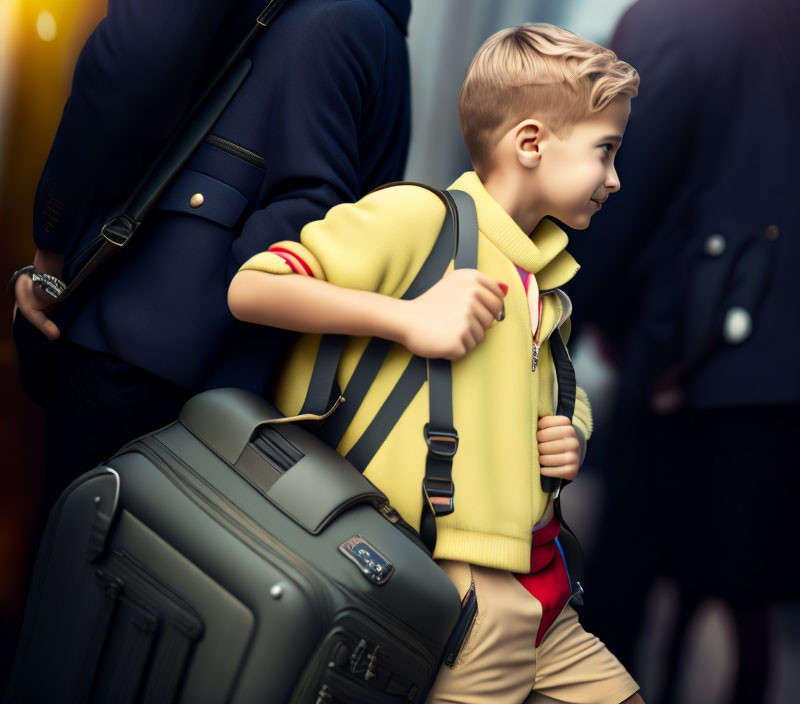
pixel 46 26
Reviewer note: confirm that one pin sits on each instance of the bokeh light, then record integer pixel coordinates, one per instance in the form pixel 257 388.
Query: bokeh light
pixel 46 26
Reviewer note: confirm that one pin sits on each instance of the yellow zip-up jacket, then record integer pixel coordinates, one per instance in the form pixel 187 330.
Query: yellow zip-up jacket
pixel 379 244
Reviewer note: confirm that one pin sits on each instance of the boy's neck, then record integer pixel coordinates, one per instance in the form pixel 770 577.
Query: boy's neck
pixel 508 193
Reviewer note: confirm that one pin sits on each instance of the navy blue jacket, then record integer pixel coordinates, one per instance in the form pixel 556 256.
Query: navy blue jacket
pixel 706 218
pixel 323 117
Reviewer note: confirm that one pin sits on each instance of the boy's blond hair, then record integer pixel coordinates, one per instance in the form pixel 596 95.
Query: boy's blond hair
pixel 536 71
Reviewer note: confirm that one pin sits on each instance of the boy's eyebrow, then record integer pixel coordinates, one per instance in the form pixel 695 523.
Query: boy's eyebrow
pixel 612 138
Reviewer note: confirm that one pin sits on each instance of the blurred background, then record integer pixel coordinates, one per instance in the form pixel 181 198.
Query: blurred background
pixel 39 44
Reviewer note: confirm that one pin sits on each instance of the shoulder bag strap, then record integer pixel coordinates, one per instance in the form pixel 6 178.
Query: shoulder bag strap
pixel 118 231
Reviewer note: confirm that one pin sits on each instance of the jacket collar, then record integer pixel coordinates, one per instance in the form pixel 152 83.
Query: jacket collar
pixel 542 254
pixel 400 10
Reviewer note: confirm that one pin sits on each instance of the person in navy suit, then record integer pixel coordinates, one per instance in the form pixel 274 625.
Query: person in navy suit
pixel 701 246
pixel 323 117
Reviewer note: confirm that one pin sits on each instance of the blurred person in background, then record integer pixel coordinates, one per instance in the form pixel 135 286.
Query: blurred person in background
pixel 694 267
pixel 315 123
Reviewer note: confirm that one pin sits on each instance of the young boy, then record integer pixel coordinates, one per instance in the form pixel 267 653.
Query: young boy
pixel 542 112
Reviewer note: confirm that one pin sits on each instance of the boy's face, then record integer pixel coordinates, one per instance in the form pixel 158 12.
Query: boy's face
pixel 576 174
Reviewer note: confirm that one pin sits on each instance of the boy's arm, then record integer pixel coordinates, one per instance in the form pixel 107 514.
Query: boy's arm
pixel 446 321
pixel 348 270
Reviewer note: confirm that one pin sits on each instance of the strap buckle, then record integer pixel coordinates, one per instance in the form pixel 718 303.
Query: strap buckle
pixel 439 494
pixel 442 443
pixel 119 230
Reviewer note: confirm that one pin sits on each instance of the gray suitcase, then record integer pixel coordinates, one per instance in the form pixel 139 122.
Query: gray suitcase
pixel 174 573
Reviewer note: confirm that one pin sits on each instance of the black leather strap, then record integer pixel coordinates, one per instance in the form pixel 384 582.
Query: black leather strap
pixel 204 113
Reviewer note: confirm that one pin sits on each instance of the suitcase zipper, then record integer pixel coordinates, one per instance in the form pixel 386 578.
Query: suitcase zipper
pixel 142 586
pixel 232 148
pixel 238 523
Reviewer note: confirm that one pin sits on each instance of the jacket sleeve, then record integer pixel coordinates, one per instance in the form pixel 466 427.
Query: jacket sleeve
pixel 582 419
pixel 132 84
pixel 377 244
pixel 322 97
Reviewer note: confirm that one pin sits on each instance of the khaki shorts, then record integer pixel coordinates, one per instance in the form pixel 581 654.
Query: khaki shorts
pixel 499 664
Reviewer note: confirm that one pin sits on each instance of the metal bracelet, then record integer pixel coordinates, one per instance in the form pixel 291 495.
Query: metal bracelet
pixel 25 271
pixel 51 285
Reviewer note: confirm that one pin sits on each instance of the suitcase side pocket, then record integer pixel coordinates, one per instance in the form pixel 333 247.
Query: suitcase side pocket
pixel 143 641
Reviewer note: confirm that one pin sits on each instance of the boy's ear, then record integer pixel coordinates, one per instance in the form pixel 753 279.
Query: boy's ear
pixel 528 137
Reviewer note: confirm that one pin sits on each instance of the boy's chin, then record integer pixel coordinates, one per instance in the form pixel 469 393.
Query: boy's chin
pixel 579 222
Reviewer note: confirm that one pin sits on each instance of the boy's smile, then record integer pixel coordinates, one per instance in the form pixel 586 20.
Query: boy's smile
pixel 538 173
pixel 576 173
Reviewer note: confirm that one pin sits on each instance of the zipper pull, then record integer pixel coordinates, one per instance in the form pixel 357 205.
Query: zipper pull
pixel 535 360
pixel 356 655
pixel 324 695
pixel 372 658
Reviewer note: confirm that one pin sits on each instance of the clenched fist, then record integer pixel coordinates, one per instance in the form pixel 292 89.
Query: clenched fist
pixel 559 447
pixel 452 317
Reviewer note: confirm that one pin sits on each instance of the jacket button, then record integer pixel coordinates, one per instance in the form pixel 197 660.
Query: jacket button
pixel 772 232
pixel 196 200
pixel 715 245
pixel 738 325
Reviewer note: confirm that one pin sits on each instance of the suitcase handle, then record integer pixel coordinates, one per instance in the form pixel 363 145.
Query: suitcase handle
pixel 226 420
pixel 313 491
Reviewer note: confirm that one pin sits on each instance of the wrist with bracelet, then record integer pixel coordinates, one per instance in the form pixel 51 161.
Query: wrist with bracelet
pixel 51 285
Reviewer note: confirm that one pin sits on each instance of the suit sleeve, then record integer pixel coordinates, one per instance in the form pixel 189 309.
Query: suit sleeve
pixel 133 82
pixel 321 98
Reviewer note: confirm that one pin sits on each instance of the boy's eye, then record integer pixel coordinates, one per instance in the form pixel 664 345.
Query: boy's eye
pixel 607 147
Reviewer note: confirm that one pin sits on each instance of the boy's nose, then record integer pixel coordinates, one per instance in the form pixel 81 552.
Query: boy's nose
pixel 612 181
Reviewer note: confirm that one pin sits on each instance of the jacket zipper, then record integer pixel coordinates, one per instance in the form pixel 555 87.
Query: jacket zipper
pixel 237 150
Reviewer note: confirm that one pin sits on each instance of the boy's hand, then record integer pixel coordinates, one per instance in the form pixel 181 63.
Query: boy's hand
pixel 452 317
pixel 559 448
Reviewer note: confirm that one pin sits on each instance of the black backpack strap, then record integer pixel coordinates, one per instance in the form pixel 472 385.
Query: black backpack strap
pixel 565 378
pixel 441 437
pixel 568 543
pixel 323 378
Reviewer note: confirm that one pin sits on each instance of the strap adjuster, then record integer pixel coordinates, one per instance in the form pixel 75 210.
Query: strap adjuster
pixel 442 443
pixel 119 230
pixel 439 493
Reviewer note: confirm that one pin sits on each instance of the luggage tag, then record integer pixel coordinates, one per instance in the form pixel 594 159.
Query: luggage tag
pixel 374 566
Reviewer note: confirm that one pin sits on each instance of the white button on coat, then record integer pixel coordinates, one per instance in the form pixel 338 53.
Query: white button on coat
pixel 738 325
pixel 715 245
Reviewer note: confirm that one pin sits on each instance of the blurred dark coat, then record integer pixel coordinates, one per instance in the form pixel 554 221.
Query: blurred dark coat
pixel 706 220
pixel 325 110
